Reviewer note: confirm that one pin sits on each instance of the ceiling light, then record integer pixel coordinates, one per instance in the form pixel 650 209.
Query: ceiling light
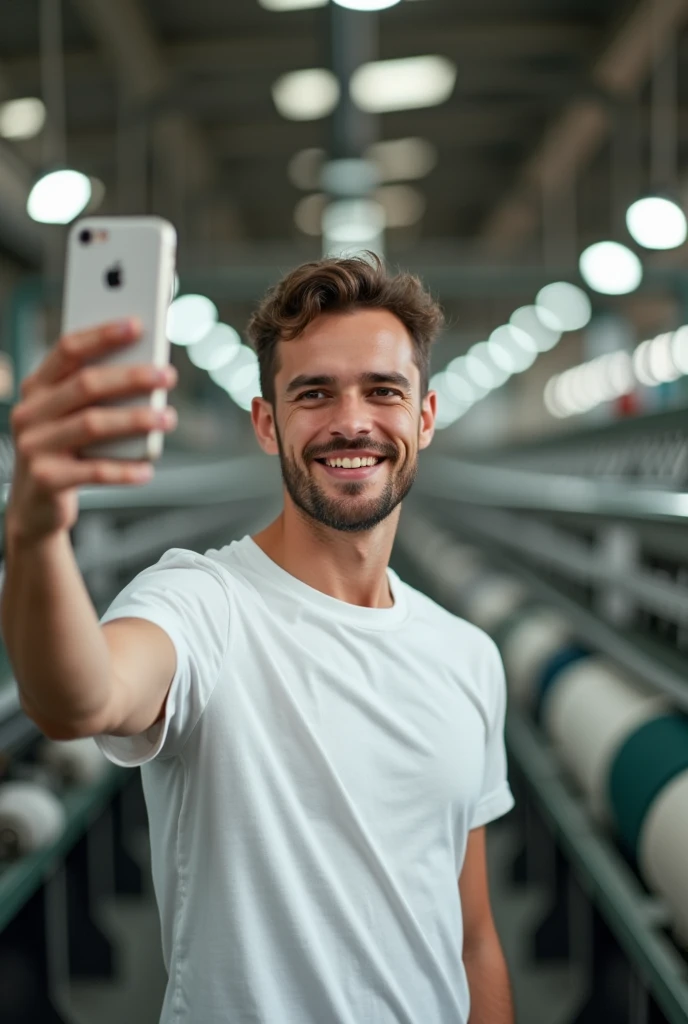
pixel 366 5
pixel 402 159
pixel 459 368
pixel 353 222
pixel 512 349
pixel 308 214
pixel 679 349
pixel 403 205
pixel 228 376
pixel 619 367
pixel 21 119
pixel 189 319
pixel 404 84
pixel 656 222
pixel 641 366
pixel 449 408
pixel 564 306
pixel 291 5
pixel 482 352
pixel 542 327
pixel 611 268
pixel 550 398
pixel 660 360
pixel 305 167
pixel 59 197
pixel 459 388
pixel 306 95
pixel 215 349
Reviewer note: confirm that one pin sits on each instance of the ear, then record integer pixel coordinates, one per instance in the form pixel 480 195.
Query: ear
pixel 263 419
pixel 428 413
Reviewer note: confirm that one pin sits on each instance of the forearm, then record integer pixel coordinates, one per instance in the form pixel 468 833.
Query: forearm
pixel 51 631
pixel 488 984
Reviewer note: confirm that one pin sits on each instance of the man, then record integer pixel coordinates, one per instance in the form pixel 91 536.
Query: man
pixel 321 745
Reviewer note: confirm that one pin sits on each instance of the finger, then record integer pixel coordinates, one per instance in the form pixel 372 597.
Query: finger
pixel 75 349
pixel 55 473
pixel 92 426
pixel 89 387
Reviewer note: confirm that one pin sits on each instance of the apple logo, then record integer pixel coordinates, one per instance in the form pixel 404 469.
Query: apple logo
pixel 114 276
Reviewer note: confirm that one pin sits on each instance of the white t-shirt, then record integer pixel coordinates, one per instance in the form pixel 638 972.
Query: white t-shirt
pixel 310 793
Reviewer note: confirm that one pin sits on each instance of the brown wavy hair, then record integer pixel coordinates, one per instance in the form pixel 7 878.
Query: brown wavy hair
pixel 341 285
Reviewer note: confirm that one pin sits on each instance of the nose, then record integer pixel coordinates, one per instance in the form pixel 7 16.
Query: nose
pixel 350 416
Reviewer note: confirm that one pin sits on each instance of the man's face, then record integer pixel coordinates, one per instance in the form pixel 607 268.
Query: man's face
pixel 348 388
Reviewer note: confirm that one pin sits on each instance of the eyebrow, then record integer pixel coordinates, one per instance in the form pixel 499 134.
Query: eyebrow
pixel 305 381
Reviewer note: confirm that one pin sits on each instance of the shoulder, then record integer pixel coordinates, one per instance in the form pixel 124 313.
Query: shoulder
pixel 473 640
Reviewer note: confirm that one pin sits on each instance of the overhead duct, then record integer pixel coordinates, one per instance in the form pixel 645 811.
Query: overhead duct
pixel 576 136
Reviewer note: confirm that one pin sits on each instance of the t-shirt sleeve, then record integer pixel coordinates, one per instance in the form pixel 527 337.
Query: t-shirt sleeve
pixel 496 798
pixel 186 596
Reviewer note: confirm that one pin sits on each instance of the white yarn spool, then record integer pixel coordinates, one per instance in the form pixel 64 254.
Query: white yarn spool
pixel 76 761
pixel 533 641
pixel 663 851
pixel 30 817
pixel 492 599
pixel 588 715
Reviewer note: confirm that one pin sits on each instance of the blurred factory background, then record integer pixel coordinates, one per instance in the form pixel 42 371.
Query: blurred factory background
pixel 529 160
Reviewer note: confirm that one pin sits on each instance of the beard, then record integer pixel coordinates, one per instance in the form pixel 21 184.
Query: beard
pixel 351 512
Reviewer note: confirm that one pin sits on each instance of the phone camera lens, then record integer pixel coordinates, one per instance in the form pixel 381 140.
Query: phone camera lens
pixel 85 237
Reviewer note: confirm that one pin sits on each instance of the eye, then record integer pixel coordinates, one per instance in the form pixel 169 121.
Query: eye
pixel 392 391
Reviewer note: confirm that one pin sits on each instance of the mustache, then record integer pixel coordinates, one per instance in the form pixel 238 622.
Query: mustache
pixel 384 451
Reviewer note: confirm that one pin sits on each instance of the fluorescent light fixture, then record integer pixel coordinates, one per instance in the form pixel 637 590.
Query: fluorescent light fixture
pixel 305 167
pixel 660 360
pixel 291 5
pixel 610 268
pixel 483 354
pixel 366 5
pixel 308 214
pixel 403 205
pixel 217 348
pixel 21 119
pixel 229 376
pixel 512 349
pixel 459 368
pixel 306 95
pixel 405 84
pixel 402 159
pixel 59 197
pixel 679 349
pixel 449 408
pixel 459 388
pixel 353 222
pixel 656 222
pixel 189 319
pixel 542 327
pixel 564 306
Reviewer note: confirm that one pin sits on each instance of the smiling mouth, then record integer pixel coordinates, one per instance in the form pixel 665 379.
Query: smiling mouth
pixel 351 471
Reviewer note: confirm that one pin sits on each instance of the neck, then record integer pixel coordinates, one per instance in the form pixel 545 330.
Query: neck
pixel 351 567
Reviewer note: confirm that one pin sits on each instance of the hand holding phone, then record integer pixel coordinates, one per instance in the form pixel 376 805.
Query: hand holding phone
pixel 117 268
pixel 70 402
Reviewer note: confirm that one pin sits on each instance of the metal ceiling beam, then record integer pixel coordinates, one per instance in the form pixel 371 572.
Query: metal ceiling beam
pixel 287 51
pixel 469 127
pixel 576 136
pixel 123 31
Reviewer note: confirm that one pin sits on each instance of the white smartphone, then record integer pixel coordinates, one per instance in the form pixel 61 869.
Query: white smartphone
pixel 121 267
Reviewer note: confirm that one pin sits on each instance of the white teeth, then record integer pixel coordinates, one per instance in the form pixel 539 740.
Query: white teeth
pixel 356 463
